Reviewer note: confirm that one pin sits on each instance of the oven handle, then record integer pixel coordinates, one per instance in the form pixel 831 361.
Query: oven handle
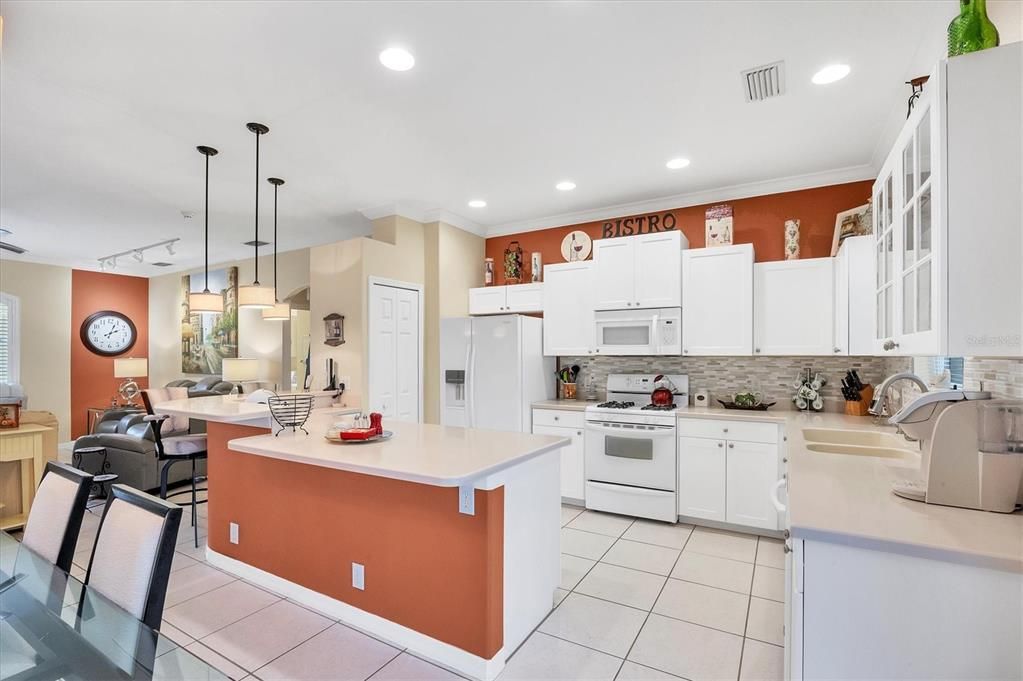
pixel 655 431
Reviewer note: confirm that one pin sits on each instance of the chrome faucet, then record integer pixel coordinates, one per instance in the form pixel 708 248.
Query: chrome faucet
pixel 879 405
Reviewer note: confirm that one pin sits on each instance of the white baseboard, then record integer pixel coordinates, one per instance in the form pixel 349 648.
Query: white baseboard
pixel 427 647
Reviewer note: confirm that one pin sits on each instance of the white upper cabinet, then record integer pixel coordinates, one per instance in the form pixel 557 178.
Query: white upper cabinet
pixel 854 296
pixel 568 326
pixel 717 301
pixel 641 271
pixel 524 298
pixel 793 307
pixel 948 238
pixel 506 299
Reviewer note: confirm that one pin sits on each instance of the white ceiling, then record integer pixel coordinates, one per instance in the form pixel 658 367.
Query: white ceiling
pixel 103 103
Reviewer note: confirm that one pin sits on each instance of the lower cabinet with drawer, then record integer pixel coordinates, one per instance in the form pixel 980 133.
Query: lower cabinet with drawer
pixel 726 470
pixel 566 424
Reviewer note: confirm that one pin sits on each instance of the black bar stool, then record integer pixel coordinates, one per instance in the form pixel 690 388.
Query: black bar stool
pixel 101 479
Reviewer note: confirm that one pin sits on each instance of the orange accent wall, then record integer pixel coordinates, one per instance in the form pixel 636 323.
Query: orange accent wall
pixel 758 220
pixel 428 567
pixel 92 376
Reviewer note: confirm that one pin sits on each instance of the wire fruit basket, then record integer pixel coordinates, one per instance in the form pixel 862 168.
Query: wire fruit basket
pixel 290 411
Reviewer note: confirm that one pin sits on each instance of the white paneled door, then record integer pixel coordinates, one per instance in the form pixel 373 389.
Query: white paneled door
pixel 395 352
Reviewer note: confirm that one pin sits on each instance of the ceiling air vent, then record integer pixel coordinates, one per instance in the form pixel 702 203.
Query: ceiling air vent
pixel 764 82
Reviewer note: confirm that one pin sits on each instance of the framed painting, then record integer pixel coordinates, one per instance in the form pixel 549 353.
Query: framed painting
pixel 207 338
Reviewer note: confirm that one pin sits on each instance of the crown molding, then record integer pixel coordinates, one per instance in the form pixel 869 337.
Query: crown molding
pixel 730 193
pixel 422 213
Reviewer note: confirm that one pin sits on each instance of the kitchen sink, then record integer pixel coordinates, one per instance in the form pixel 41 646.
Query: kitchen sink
pixel 863 438
pixel 861 450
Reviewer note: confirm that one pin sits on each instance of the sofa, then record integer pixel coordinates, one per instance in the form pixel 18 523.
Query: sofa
pixel 131 450
pixel 204 387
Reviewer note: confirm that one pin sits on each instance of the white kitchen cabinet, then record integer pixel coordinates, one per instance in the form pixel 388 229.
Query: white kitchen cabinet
pixel 947 221
pixel 641 271
pixel 506 299
pixel 751 472
pixel 717 301
pixel 727 471
pixel 793 303
pixel 854 298
pixel 568 326
pixel 573 478
pixel 701 478
pixel 920 617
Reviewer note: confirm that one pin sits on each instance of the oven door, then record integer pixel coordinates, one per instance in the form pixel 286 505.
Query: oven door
pixel 627 454
pixel 626 333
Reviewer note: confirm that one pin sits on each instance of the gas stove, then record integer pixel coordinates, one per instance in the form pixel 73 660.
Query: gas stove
pixel 631 448
pixel 628 400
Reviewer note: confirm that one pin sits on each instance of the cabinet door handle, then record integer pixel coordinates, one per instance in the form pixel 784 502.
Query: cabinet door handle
pixel 578 432
pixel 557 418
pixel 629 304
pixel 724 430
pixel 890 345
pixel 721 444
pixel 838 349
pixel 686 352
pixel 731 445
pixel 757 350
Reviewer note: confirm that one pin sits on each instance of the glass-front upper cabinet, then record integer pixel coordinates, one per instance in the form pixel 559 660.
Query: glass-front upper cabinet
pixel 907 271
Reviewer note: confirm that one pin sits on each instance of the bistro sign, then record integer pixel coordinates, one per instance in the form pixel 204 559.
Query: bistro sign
pixel 641 224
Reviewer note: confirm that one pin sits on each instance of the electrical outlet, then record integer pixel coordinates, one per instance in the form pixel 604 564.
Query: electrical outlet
pixel 233 528
pixel 359 576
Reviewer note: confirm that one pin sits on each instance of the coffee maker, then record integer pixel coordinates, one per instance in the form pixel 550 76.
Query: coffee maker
pixel 972 450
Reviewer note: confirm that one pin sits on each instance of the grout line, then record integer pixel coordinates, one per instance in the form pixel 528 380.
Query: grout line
pixel 660 591
pixel 581 645
pixel 389 661
pixel 263 666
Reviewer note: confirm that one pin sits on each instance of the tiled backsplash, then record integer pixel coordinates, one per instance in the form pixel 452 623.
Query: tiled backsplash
pixel 1003 377
pixel 724 376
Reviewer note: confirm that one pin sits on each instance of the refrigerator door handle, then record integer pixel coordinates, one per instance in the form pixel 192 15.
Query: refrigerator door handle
pixel 470 379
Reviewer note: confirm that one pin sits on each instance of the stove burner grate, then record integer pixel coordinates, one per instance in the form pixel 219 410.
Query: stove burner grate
pixel 614 404
pixel 660 407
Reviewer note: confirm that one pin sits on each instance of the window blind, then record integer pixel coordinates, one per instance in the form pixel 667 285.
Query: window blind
pixel 5 340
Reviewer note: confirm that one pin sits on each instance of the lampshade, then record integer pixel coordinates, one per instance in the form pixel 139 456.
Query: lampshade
pixel 280 312
pixel 256 296
pixel 131 367
pixel 237 369
pixel 205 302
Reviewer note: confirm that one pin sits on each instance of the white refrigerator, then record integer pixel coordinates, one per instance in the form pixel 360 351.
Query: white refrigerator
pixel 492 370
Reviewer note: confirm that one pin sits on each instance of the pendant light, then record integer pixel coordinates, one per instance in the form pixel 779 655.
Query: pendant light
pixel 254 295
pixel 280 312
pixel 207 301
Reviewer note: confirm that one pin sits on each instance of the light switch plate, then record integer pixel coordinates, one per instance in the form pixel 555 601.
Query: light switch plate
pixel 234 532
pixel 359 576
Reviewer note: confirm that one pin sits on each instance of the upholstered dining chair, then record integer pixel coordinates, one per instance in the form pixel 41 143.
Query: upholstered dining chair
pixel 55 518
pixel 171 450
pixel 131 560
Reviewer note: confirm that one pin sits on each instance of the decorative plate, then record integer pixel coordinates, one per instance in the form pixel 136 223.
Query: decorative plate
pixel 388 434
pixel 576 246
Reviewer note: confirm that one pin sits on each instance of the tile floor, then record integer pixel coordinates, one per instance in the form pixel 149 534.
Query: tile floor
pixel 638 600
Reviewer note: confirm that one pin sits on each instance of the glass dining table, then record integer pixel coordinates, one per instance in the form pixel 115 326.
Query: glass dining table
pixel 52 626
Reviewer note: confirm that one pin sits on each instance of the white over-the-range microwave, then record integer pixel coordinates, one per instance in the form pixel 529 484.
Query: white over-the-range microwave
pixel 656 331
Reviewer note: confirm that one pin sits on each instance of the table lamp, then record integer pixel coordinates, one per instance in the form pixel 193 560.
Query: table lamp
pixel 130 368
pixel 240 370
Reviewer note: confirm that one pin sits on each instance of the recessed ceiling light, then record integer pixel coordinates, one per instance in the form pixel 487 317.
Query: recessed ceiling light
pixel 565 186
pixel 830 74
pixel 677 163
pixel 397 59
pixel 477 203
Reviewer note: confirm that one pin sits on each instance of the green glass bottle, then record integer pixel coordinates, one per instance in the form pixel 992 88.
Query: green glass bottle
pixel 971 30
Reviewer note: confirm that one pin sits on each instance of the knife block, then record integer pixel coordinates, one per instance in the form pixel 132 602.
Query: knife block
pixel 859 407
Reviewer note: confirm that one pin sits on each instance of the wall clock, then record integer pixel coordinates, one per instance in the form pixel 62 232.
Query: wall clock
pixel 108 333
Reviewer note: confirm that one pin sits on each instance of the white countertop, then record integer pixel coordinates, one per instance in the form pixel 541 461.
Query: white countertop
pixel 220 408
pixel 565 405
pixel 848 498
pixel 444 456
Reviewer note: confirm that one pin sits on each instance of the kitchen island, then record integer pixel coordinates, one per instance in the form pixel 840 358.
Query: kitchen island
pixel 441 540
